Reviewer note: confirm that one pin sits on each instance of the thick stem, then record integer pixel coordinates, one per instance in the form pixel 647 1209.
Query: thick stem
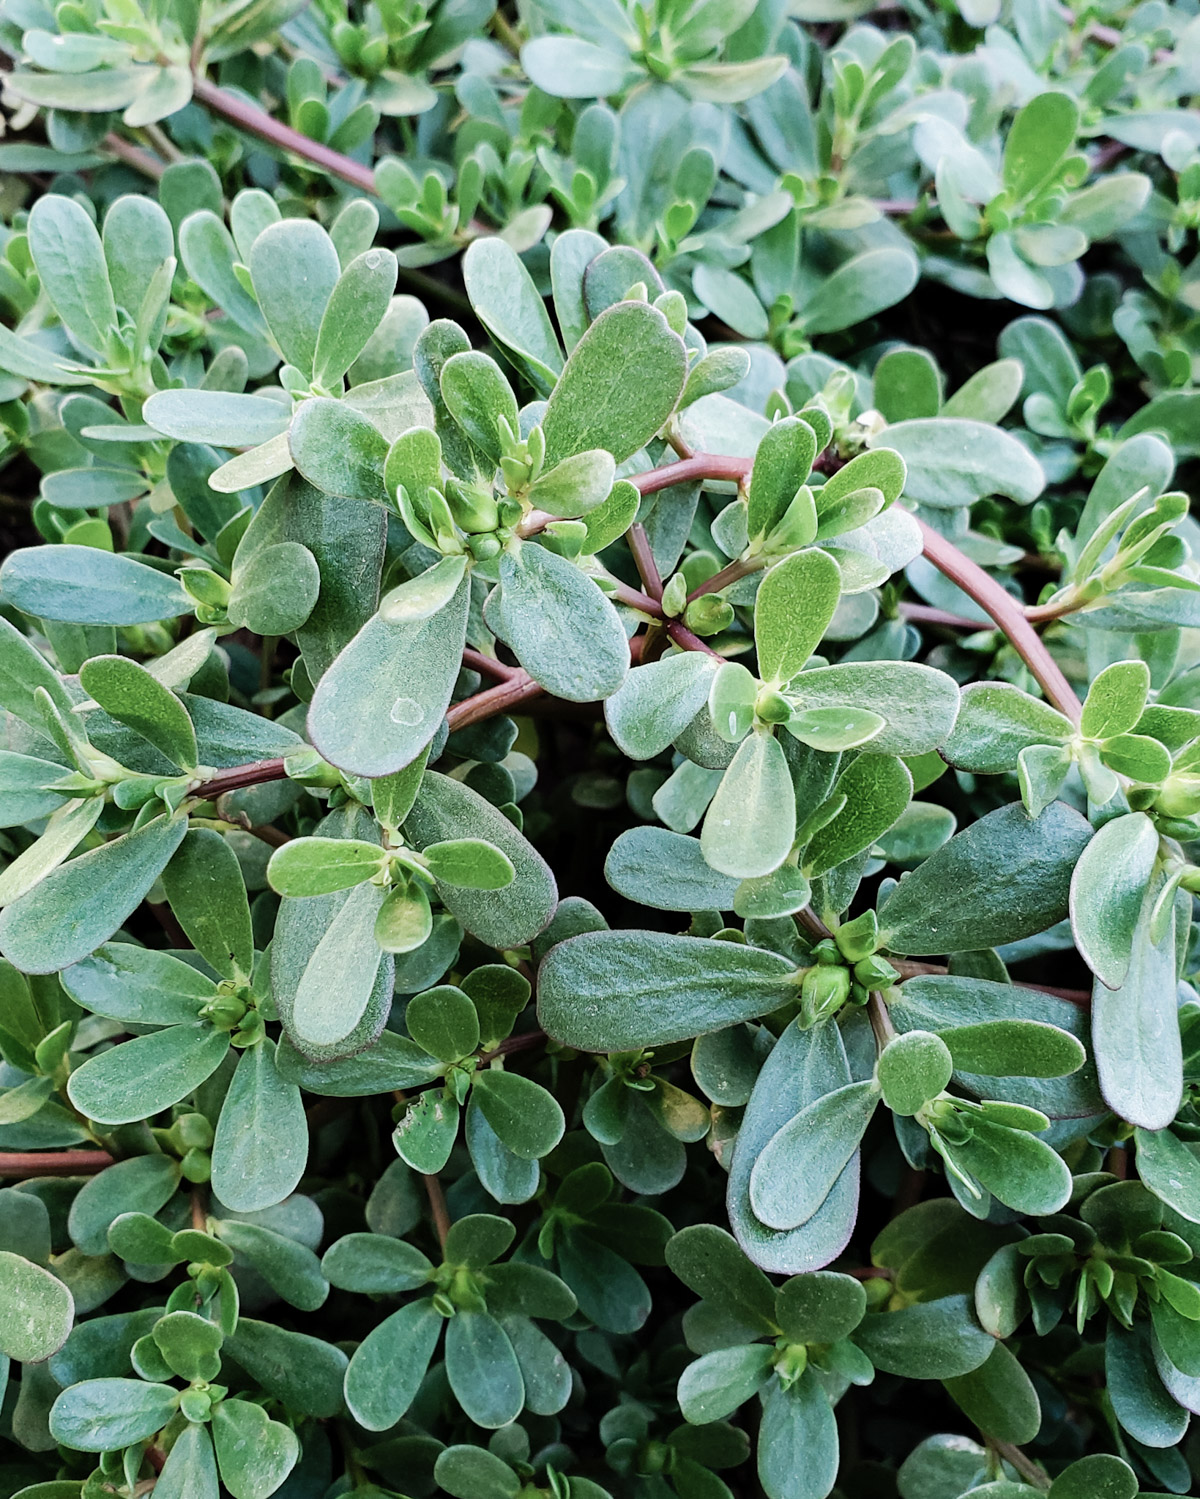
pixel 477 661
pixel 255 773
pixel 643 555
pixel 688 470
pixel 1025 1466
pixel 730 573
pixel 1009 615
pixel 134 156
pixel 515 689
pixel 437 1207
pixel 257 122
pixel 21 1163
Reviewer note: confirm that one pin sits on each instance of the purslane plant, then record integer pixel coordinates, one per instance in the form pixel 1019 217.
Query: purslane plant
pixel 519 820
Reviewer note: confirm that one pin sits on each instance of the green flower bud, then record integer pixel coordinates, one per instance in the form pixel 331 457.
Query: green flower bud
pixel 823 991
pixel 708 615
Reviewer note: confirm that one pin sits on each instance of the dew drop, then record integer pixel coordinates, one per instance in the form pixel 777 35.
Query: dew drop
pixel 732 722
pixel 405 710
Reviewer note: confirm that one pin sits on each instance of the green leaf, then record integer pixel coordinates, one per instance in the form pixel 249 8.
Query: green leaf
pixel 932 1340
pixel 996 721
pixel 623 991
pixel 36 1310
pixel 85 586
pixel 479 398
pixel 751 821
pixel 23 670
pixel 1170 1169
pixel 254 1453
pixel 82 903
pixel 356 307
pixel 1137 756
pixel 596 405
pixel 798 1440
pixel 470 863
pixel 999 1398
pixel 1135 1031
pixel 148 1074
pixel 292 1270
pixel 445 809
pixel 907 383
pixel 717 1384
pixel 860 288
pixel 782 463
pixel 568 67
pixel 338 450
pixel 475 1473
pixel 1100 1476
pixel 65 829
pixel 304 1372
pixel 561 627
pixel 1108 890
pixel 425 1136
pixel 331 1009
pixel 1014 1048
pixel 576 486
pixel 126 982
pixel 189 1344
pixel 141 1185
pixel 444 1022
pixel 23 793
pixel 667 870
pixel 822 1307
pixel 128 693
pixel 375 1264
pixel 952 462
pixel 799 1166
pixel 319 866
pixel 482 1369
pixel 71 267
pixel 913 1069
pixel 1041 135
pixel 389 1364
pixel 526 1118
pixel 953 902
pixel 397 676
pixel 877 789
pixel 708 1260
pixel 1018 1169
pixel 1115 700
pixel 656 702
pixel 792 610
pixel 261 1145
pixel 209 253
pixel 918 703
pixel 102 1415
pixel 222 417
pixel 275 590
pixel 294 268
pixel 508 304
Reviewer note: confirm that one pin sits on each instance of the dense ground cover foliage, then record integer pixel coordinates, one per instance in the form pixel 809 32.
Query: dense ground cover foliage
pixel 601 763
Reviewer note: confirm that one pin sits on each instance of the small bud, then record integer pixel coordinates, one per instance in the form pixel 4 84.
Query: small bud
pixel 674 596
pixel 708 615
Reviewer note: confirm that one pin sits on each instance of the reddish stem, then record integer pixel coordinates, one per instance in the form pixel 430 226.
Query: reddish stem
pixel 255 773
pixel 925 614
pixel 53 1162
pixel 257 122
pixel 1009 615
pixel 487 664
pixel 515 689
pixel 688 470
pixel 643 555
